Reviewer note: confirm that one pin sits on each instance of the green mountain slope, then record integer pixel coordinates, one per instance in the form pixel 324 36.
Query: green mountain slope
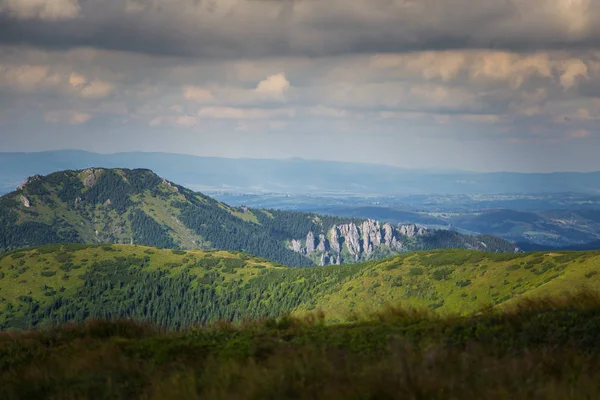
pixel 138 207
pixel 175 288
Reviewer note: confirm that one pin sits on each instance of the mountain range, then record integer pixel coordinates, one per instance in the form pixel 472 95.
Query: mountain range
pixel 295 175
pixel 97 205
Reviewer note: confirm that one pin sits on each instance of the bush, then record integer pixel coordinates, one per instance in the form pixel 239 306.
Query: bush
pixel 463 283
pixel 48 273
pixel 513 267
pixel 416 271
pixel 441 274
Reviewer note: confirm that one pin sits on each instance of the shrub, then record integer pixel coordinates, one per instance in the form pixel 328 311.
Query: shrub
pixel 463 283
pixel 513 267
pixel 416 271
pixel 588 275
pixel 48 273
pixel 441 274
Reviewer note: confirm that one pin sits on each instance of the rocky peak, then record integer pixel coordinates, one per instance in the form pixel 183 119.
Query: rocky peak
pixel 90 176
pixel 310 242
pixel 323 244
pixel 411 230
pixel 388 234
pixel 334 239
pixel 296 245
pixel 29 180
pixel 173 187
pixel 351 235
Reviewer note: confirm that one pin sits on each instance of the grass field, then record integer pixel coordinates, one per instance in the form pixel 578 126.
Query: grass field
pixel 542 349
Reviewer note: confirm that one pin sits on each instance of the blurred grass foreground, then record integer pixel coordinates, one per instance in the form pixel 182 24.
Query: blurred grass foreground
pixel 535 349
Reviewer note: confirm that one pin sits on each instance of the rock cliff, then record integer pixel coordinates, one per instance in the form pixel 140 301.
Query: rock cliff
pixel 355 242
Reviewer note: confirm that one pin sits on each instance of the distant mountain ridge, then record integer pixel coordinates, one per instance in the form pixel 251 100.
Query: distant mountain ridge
pixel 294 175
pixel 99 205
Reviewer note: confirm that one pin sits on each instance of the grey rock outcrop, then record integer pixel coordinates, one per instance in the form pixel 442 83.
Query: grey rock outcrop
pixel 310 243
pixel 323 245
pixel 170 185
pixel 360 241
pixel 91 176
pixel 411 230
pixel 25 201
pixel 334 240
pixel 29 180
pixel 351 238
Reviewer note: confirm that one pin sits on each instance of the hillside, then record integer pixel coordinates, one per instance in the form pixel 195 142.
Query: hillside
pixel 546 349
pixel 138 207
pixel 176 289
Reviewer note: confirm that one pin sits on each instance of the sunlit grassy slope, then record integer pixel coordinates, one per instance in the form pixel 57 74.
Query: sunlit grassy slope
pixel 175 289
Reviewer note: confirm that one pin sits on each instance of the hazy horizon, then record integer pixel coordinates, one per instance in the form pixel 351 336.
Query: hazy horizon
pixel 296 158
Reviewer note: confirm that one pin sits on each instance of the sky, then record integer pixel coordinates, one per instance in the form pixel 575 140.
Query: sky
pixel 486 85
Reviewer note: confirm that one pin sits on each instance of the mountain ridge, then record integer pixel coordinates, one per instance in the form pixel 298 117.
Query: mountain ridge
pixel 297 176
pixel 139 207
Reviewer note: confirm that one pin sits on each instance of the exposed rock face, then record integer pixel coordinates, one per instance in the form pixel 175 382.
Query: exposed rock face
pixel 29 180
pixel 25 201
pixel 360 241
pixel 310 243
pixel 171 186
pixel 411 230
pixel 351 239
pixel 91 176
pixel 296 245
pixel 323 244
pixel 334 240
pixel 388 234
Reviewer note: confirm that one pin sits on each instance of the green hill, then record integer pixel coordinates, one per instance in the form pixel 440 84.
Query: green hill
pixel 124 206
pixel 178 289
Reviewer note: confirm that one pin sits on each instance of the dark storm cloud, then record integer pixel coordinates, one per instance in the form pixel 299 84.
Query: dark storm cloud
pixel 251 28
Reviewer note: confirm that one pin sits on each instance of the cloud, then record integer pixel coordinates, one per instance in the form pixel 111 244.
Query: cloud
pixel 70 117
pixel 197 94
pixel 579 133
pixel 181 121
pixel 244 113
pixel 46 10
pixel 273 87
pixel 256 29
pixel 28 78
pixel 573 69
pixel 90 89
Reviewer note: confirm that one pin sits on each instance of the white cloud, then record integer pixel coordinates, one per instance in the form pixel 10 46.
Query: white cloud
pixel 244 113
pixel 273 87
pixel 70 117
pixel 182 121
pixel 579 133
pixel 47 10
pixel 90 89
pixel 197 94
pixel 328 112
pixel 572 69
pixel 28 77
